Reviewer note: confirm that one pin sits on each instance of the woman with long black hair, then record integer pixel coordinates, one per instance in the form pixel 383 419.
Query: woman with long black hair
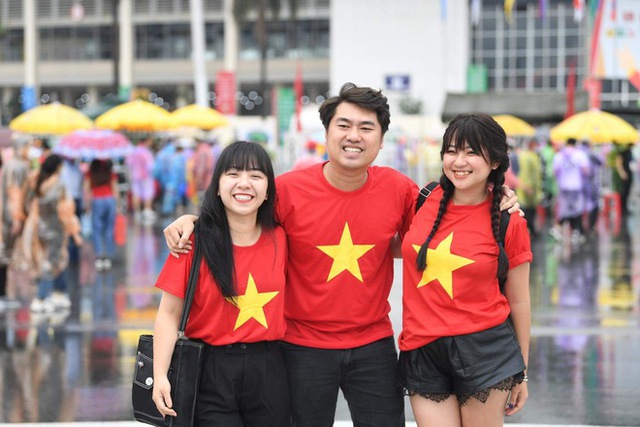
pixel 238 306
pixel 465 343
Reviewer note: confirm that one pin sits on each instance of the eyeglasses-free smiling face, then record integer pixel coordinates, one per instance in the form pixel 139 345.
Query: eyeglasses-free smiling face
pixel 468 170
pixel 354 138
pixel 242 191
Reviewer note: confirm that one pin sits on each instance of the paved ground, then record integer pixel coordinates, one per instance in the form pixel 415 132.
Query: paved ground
pixel 584 366
pixel 136 424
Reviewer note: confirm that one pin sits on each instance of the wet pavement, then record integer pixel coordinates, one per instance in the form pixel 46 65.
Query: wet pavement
pixel 584 370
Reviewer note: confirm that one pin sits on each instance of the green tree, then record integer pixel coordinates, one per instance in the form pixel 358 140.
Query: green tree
pixel 262 8
pixel 410 105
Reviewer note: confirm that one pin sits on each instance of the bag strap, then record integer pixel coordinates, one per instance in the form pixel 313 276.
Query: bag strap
pixel 424 193
pixel 505 216
pixel 191 290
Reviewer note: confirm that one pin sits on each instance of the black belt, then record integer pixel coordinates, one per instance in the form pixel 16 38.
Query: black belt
pixel 246 347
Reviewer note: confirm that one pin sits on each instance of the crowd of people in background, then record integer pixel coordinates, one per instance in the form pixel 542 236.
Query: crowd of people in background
pixel 565 186
pixel 49 203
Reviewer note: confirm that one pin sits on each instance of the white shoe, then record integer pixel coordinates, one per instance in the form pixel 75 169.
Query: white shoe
pixel 99 263
pixel 106 264
pixel 148 217
pixel 60 300
pixel 577 238
pixel 41 306
pixel 148 213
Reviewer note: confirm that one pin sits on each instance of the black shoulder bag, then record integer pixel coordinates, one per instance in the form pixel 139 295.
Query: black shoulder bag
pixel 184 371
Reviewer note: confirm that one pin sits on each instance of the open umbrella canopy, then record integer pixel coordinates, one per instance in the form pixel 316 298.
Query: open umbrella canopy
pixel 50 119
pixel 514 126
pixel 197 116
pixel 94 144
pixel 595 126
pixel 135 116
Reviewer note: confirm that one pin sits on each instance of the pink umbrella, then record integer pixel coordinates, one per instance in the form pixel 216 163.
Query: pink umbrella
pixel 94 144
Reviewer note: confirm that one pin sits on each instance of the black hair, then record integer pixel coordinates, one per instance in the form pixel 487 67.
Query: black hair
pixel 100 172
pixel 483 135
pixel 364 97
pixel 212 228
pixel 49 166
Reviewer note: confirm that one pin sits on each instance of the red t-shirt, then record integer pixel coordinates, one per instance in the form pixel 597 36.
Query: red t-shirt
pixel 458 293
pixel 340 264
pixel 258 314
pixel 104 190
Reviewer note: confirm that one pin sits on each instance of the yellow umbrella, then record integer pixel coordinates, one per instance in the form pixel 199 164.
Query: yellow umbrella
pixel 135 116
pixel 50 119
pixel 595 126
pixel 514 126
pixel 198 116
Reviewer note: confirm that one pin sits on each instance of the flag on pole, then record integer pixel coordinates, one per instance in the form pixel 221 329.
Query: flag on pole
pixel 475 12
pixel 508 9
pixel 614 9
pixel 578 10
pixel 298 88
pixel 571 88
pixel 542 9
pixel 594 5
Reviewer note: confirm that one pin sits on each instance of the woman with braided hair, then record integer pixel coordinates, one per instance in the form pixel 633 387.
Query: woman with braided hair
pixel 465 342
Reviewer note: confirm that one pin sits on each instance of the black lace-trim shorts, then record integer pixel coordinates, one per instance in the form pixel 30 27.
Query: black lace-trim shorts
pixel 465 365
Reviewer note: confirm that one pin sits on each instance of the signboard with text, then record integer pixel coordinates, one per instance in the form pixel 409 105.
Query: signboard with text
pixel 397 82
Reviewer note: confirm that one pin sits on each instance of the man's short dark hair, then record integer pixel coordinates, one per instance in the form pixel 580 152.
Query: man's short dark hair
pixel 364 97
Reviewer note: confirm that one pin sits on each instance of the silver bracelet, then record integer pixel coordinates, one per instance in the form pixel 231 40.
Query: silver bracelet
pixel 525 378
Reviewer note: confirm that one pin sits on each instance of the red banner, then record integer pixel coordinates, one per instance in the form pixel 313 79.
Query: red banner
pixel 226 92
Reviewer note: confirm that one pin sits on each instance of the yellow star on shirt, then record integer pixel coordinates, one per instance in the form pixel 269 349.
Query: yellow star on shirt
pixel 345 255
pixel 251 304
pixel 441 264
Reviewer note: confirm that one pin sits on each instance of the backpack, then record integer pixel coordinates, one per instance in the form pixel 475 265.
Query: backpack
pixel 504 216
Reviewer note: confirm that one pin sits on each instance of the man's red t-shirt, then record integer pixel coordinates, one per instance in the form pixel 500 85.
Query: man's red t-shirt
pixel 340 264
pixel 458 293
pixel 258 312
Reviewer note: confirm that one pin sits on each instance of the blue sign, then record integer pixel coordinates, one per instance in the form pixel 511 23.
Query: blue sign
pixel 397 82
pixel 28 95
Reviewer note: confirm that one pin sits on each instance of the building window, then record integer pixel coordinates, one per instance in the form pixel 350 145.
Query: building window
pixel 75 43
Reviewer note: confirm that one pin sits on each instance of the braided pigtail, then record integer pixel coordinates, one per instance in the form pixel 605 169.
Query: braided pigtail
pixel 503 260
pixel 447 188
